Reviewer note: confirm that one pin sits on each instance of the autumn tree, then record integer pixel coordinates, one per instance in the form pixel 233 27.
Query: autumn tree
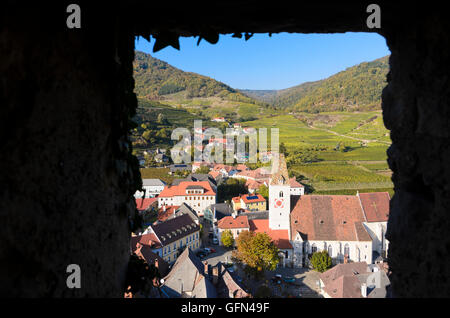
pixel 227 238
pixel 257 251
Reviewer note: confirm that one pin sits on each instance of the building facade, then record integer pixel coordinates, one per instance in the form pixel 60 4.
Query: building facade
pixel 198 195
pixel 152 187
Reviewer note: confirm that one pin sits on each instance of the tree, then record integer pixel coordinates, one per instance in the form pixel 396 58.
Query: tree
pixel 227 238
pixel 147 135
pixel 283 149
pixel 321 261
pixel 264 191
pixel 203 169
pixel 257 251
pixel 231 188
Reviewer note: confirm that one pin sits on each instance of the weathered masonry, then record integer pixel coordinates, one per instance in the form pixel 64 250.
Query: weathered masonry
pixel 66 95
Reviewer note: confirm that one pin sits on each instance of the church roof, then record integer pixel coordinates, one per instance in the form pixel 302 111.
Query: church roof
pixel 375 206
pixel 328 218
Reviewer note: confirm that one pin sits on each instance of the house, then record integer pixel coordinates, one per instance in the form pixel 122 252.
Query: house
pixel 197 194
pixel 218 119
pixel 296 187
pixel 165 212
pixel 236 224
pixel 152 187
pixel 254 185
pixel 145 204
pixel 192 278
pixel 198 164
pixel 217 176
pixel 216 212
pixel 185 209
pixel 224 170
pixel 354 280
pixel 188 279
pixel 160 157
pixel 144 251
pixel 226 285
pixel 236 203
pixel 198 177
pixel 250 202
pixel 179 167
pixel 172 236
pixel 375 206
pixel 253 202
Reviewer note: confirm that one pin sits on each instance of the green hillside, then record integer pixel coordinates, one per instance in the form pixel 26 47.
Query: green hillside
pixel 357 88
pixel 156 80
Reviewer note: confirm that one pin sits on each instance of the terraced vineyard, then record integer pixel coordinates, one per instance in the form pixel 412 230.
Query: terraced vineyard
pixel 350 149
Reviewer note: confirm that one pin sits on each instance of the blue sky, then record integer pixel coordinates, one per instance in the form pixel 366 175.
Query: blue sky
pixel 281 61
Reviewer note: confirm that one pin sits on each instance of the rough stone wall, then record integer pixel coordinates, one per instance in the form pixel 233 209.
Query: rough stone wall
pixel 416 108
pixel 67 174
pixel 66 170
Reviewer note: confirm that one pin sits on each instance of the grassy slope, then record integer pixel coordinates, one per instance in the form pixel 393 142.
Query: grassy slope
pixel 362 168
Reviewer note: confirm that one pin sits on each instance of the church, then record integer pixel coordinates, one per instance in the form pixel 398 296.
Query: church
pixel 349 227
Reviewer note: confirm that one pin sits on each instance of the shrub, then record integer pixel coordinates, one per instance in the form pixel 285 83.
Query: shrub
pixel 321 261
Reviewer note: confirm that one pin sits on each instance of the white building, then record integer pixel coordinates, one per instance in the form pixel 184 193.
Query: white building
pixel 296 187
pixel 376 211
pixel 152 188
pixel 197 194
pixel 329 222
pixel 235 224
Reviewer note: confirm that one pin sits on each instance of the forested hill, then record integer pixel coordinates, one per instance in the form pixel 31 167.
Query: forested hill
pixel 357 88
pixel 156 80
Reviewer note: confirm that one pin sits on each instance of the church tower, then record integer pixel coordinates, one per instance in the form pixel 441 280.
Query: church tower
pixel 279 196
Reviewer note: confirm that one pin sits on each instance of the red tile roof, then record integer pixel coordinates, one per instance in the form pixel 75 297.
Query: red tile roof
pixel 279 237
pixel 164 215
pixel 229 222
pixel 221 166
pixel 236 199
pixel 259 198
pixel 294 183
pixel 255 184
pixel 341 281
pixel 214 174
pixel 251 174
pixel 327 217
pixel 375 206
pixel 149 239
pixel 344 287
pixel 144 204
pixel 180 189
pixel 241 167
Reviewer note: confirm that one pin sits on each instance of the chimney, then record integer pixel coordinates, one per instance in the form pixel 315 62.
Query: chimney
pixel 233 214
pixel 215 274
pixel 364 290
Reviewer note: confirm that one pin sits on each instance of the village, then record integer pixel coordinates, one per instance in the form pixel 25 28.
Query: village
pixel 191 233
